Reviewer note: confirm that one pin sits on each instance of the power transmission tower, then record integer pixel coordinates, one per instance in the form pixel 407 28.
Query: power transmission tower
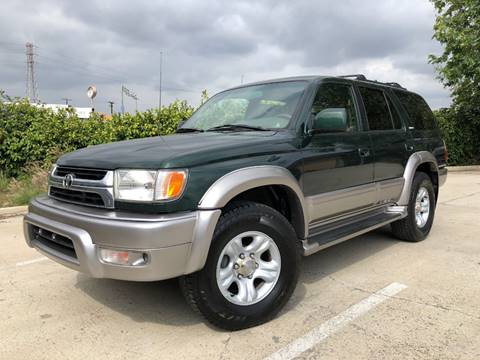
pixel 31 91
pixel 111 106
pixel 66 100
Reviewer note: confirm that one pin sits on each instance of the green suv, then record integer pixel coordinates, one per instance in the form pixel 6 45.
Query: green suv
pixel 259 176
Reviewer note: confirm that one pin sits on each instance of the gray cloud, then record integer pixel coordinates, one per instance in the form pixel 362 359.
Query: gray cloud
pixel 211 44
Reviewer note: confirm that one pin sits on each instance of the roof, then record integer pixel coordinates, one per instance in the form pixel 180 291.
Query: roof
pixel 312 78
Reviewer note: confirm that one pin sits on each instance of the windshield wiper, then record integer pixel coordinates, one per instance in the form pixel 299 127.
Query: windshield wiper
pixel 188 130
pixel 237 127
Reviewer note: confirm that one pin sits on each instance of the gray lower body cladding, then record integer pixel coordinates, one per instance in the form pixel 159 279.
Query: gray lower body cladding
pixel 167 240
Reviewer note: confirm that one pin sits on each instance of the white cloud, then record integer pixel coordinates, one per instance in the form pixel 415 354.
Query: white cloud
pixel 211 44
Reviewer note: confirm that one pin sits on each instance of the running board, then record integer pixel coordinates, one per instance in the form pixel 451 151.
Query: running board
pixel 350 228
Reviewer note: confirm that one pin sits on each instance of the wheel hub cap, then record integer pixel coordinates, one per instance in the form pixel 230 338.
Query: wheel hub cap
pixel 422 207
pixel 248 268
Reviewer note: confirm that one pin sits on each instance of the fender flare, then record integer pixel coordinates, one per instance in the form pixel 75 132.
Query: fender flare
pixel 225 189
pixel 414 161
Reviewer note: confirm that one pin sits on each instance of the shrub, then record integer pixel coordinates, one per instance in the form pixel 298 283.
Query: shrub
pixel 461 133
pixel 30 134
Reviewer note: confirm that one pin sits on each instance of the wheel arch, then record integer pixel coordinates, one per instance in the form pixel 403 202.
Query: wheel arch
pixel 234 185
pixel 241 181
pixel 419 161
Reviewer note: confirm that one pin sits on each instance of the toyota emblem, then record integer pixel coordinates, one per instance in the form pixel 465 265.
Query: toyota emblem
pixel 68 180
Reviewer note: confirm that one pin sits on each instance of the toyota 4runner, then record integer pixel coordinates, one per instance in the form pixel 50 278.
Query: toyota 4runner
pixel 259 176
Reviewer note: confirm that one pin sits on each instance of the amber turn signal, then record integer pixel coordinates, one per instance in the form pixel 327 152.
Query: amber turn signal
pixel 170 184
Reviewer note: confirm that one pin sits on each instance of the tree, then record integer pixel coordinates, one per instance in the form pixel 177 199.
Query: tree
pixel 457 28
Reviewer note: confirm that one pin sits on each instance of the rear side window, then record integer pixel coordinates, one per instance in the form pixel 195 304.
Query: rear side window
pixel 378 112
pixel 419 113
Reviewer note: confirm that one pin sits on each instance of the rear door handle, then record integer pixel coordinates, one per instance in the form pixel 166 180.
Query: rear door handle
pixel 409 147
pixel 364 152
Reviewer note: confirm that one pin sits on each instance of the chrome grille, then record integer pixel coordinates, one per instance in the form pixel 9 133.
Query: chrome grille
pixel 77 197
pixel 89 187
pixel 80 173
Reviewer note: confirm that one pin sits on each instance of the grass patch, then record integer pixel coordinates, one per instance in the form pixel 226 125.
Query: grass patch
pixel 19 191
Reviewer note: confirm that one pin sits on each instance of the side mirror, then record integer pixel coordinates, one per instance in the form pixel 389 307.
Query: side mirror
pixel 330 120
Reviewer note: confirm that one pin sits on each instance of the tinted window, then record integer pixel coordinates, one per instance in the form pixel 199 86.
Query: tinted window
pixel 378 113
pixel 397 121
pixel 336 96
pixel 419 114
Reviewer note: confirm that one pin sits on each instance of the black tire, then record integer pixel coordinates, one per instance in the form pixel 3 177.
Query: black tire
pixel 407 229
pixel 201 290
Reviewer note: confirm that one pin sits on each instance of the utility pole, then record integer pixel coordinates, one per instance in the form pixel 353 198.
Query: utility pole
pixel 123 106
pixel 111 106
pixel 66 100
pixel 31 91
pixel 241 80
pixel 160 83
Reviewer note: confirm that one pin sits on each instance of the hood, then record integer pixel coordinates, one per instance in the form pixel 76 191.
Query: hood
pixel 174 151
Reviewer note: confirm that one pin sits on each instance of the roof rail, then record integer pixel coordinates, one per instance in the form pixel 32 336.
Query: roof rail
pixel 395 84
pixel 362 77
pixel 356 76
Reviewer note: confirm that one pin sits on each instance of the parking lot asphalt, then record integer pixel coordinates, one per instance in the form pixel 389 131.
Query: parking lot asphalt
pixel 340 309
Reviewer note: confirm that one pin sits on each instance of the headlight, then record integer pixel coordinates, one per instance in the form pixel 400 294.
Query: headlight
pixel 149 185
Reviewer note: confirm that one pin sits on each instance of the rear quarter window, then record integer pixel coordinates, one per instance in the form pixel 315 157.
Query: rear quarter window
pixel 419 113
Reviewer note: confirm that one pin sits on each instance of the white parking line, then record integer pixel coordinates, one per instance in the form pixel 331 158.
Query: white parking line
pixel 331 326
pixel 23 263
pixel 33 261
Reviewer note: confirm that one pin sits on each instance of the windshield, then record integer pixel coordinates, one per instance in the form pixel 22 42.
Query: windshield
pixel 268 106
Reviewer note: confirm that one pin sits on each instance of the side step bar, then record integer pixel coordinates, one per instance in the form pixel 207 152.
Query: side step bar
pixel 350 228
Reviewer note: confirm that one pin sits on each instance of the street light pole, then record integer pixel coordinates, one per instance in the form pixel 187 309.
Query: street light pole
pixel 123 107
pixel 160 83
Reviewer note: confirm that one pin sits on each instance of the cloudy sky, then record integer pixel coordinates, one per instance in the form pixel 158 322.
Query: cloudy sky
pixel 211 45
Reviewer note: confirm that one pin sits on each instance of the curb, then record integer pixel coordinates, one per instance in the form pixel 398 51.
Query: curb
pixel 463 168
pixel 13 211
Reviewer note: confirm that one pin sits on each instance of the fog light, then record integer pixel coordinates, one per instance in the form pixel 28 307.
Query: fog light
pixel 119 257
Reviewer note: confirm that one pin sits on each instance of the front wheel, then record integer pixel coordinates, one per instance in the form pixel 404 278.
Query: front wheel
pixel 421 210
pixel 251 270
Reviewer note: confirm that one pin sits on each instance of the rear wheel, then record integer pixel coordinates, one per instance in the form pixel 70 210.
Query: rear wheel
pixel 251 270
pixel 421 210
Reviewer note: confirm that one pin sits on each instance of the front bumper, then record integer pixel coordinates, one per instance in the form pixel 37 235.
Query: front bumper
pixel 166 239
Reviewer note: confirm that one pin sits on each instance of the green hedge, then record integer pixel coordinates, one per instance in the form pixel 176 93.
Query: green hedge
pixel 34 135
pixel 461 132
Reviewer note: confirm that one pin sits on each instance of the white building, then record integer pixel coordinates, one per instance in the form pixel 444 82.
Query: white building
pixel 82 112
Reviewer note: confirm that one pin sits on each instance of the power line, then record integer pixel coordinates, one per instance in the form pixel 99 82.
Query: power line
pixel 81 69
pixel 76 61
pixel 69 69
